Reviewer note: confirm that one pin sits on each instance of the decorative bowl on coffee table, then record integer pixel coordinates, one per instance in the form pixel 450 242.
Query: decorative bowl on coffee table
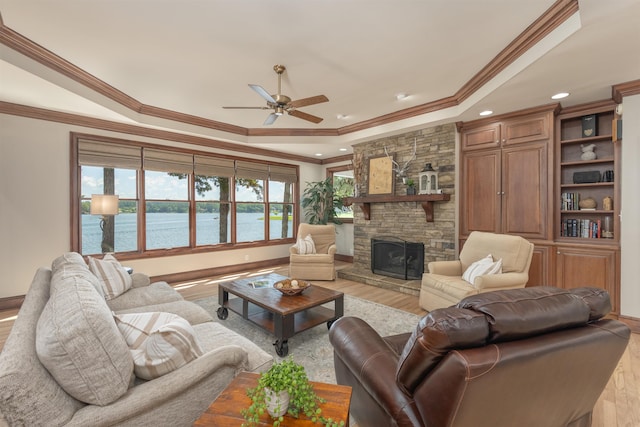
pixel 291 287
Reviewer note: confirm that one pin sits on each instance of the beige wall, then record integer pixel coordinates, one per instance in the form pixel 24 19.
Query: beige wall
pixel 34 206
pixel 630 208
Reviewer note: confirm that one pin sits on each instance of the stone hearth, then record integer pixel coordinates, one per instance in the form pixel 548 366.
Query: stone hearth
pixel 411 287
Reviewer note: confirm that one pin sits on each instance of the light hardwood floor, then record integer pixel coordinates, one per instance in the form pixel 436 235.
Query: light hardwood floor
pixel 618 406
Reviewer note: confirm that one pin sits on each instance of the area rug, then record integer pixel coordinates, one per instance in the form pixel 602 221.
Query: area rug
pixel 311 348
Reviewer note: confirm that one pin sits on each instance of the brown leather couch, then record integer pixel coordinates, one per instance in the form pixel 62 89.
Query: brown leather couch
pixel 534 357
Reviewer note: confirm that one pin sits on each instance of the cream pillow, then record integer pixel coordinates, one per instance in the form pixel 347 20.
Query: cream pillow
pixel 482 267
pixel 80 345
pixel 306 246
pixel 159 342
pixel 114 279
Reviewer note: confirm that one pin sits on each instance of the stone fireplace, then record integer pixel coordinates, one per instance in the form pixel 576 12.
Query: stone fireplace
pixel 405 220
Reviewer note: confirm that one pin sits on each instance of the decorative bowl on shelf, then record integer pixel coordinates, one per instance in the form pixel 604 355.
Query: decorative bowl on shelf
pixel 291 287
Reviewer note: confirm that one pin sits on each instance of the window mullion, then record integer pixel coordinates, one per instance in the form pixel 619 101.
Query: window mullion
pixel 192 210
pixel 267 211
pixel 142 213
pixel 232 208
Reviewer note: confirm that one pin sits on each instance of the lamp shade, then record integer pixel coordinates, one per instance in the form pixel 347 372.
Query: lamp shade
pixel 104 204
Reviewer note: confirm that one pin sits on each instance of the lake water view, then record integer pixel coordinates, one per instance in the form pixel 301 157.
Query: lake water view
pixel 170 230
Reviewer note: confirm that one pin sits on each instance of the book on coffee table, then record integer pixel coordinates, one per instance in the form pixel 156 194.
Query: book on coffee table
pixel 259 284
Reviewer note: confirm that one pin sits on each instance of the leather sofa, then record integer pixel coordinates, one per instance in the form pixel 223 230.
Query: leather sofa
pixel 534 357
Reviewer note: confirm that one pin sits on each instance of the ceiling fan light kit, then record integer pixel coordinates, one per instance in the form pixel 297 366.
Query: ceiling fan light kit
pixel 280 103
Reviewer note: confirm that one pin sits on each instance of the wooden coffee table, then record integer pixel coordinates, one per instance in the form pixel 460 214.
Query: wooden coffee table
pixel 282 315
pixel 225 410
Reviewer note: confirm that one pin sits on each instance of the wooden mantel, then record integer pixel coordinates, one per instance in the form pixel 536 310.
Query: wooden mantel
pixel 425 199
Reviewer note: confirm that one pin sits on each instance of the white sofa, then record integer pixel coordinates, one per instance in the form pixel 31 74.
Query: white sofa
pixel 63 309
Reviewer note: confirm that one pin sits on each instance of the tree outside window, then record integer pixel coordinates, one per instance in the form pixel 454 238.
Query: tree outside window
pixel 343 186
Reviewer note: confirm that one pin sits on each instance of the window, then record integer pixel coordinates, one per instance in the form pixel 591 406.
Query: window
pixel 213 199
pixel 281 206
pixel 343 185
pixel 176 200
pixel 166 210
pixel 122 228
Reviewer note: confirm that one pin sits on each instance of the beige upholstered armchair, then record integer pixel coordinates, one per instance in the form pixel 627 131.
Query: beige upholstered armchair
pixel 317 263
pixel 448 282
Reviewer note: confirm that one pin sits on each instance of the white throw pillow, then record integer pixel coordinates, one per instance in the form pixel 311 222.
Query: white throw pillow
pixel 482 267
pixel 159 342
pixel 113 277
pixel 306 246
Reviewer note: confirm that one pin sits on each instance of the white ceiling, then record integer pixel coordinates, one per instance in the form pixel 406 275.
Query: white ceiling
pixel 196 56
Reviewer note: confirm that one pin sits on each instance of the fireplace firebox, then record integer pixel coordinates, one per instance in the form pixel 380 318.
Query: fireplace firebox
pixel 397 258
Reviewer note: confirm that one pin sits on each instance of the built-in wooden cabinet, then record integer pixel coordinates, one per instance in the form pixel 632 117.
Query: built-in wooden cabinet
pixel 578 266
pixel 587 252
pixel 505 181
pixel 517 171
pixel 586 172
pixel 540 273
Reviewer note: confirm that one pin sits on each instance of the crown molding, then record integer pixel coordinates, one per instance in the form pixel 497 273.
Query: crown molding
pixel 558 13
pixel 621 90
pixel 555 16
pixel 107 125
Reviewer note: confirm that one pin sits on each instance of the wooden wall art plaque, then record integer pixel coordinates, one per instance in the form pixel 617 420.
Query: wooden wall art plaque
pixel 381 180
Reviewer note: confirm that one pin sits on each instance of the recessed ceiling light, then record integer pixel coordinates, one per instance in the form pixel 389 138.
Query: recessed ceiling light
pixel 318 154
pixel 401 96
pixel 343 149
pixel 560 95
pixel 486 113
pixel 341 116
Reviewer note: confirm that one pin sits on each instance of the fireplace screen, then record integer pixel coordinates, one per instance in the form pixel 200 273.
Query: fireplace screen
pixel 397 258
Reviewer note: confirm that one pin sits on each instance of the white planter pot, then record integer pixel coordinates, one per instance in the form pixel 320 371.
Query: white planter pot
pixel 277 402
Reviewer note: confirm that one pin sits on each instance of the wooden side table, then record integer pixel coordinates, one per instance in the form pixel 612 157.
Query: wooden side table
pixel 225 410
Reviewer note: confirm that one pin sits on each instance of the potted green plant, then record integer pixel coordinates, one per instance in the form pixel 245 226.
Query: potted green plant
pixel 411 187
pixel 321 203
pixel 289 377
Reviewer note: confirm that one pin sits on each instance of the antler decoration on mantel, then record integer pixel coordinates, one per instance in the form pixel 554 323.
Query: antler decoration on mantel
pixel 401 171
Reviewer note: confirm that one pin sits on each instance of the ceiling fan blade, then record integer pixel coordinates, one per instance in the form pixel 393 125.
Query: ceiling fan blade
pixel 263 93
pixel 270 119
pixel 308 101
pixel 247 108
pixel 305 116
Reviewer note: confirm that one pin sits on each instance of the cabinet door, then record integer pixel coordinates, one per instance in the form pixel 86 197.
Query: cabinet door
pixel 480 191
pixel 526 130
pixel 578 267
pixel 525 190
pixel 482 137
pixel 541 266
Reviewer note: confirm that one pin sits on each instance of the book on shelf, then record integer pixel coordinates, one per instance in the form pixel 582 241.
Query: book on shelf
pixel 570 201
pixel 583 228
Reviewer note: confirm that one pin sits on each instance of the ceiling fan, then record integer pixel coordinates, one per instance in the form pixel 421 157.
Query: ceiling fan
pixel 280 103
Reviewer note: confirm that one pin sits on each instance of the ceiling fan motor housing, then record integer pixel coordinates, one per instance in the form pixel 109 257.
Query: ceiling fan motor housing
pixel 281 99
pixel 282 103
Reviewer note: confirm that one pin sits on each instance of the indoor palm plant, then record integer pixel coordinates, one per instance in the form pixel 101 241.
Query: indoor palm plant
pixel 321 203
pixel 290 377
